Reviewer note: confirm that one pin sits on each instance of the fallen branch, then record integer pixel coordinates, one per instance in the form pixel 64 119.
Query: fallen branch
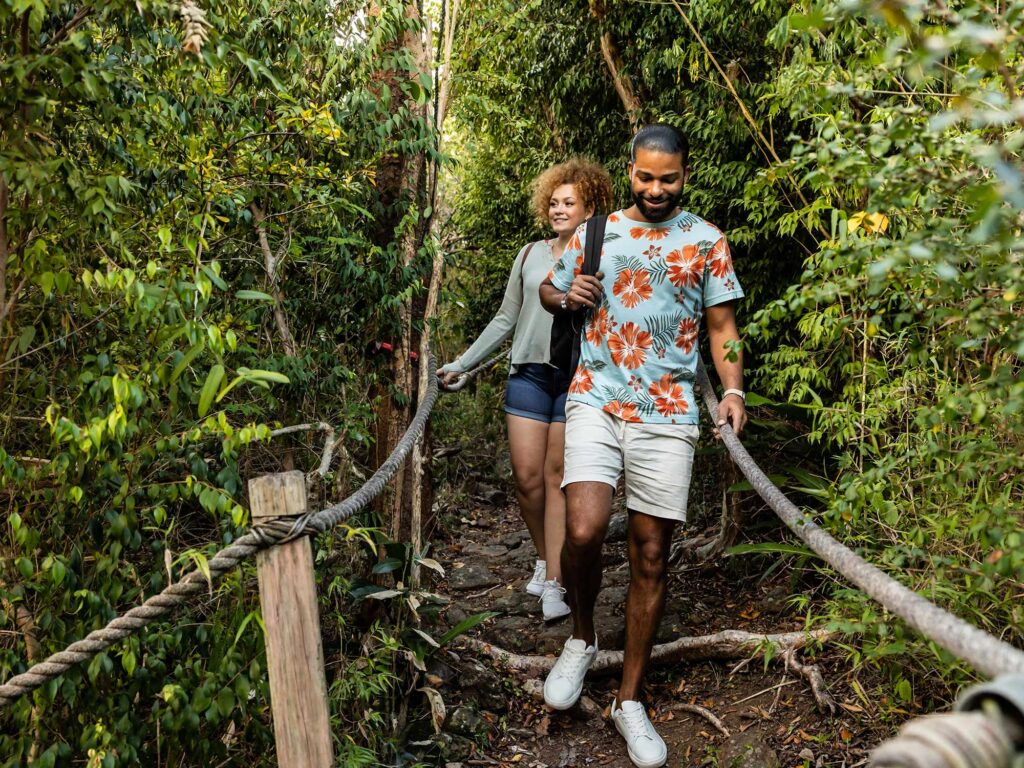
pixel 707 714
pixel 727 644
pixel 812 675
pixel 330 442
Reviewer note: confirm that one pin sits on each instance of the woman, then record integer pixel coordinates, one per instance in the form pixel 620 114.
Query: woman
pixel 564 196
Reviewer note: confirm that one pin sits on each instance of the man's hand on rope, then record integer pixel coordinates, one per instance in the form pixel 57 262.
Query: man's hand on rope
pixel 733 411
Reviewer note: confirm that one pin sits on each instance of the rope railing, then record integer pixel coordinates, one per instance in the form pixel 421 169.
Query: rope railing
pixel 195 582
pixel 987 654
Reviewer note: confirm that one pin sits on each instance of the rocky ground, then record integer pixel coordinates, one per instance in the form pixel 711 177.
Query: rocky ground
pixel 768 715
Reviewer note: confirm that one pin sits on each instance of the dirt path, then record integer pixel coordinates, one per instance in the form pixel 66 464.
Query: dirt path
pixel 770 714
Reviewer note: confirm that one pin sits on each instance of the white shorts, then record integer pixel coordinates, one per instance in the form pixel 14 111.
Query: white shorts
pixel 657 458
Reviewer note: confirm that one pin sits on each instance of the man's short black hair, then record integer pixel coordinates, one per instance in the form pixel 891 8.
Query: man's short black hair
pixel 659 137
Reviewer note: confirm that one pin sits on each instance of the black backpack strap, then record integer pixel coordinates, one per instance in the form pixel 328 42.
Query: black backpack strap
pixel 594 244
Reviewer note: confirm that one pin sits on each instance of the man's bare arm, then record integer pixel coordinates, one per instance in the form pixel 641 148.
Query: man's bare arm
pixel 721 320
pixel 550 297
pixel 585 291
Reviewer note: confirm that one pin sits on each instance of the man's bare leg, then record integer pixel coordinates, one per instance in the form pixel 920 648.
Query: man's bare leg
pixel 588 510
pixel 650 539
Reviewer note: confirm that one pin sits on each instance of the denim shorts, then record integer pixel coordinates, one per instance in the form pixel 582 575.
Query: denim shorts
pixel 537 391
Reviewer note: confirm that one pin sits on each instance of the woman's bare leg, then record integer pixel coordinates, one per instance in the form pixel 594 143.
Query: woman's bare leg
pixel 528 443
pixel 554 500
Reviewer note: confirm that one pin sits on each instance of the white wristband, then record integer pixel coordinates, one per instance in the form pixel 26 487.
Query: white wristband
pixel 738 392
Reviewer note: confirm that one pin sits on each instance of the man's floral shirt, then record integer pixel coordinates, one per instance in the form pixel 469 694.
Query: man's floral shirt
pixel 638 358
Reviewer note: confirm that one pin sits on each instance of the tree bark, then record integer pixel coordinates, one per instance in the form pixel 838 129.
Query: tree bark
pixel 271 261
pixel 4 250
pixel 613 61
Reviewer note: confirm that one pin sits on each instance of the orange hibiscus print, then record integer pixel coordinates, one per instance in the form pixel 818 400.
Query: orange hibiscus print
pixel 599 326
pixel 686 266
pixel 613 218
pixel 687 335
pixel 650 233
pixel 633 287
pixel 720 259
pixel 625 411
pixel 582 382
pixel 668 396
pixel 629 346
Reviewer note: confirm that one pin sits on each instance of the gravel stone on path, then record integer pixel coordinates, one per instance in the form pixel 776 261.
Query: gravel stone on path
pixel 521 557
pixel 551 639
pixel 484 550
pixel 747 750
pixel 515 539
pixel 515 633
pixel 612 597
pixel 516 603
pixel 471 576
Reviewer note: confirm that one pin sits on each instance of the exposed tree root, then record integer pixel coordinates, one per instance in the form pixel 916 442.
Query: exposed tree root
pixel 728 644
pixel 812 675
pixel 707 714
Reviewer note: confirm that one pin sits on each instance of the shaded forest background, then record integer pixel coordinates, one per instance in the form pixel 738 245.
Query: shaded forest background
pixel 218 219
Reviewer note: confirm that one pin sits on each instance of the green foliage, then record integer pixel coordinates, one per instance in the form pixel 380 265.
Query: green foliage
pixel 902 337
pixel 160 210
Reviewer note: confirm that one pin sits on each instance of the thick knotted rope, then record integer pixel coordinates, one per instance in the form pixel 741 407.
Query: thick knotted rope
pixel 463 378
pixel 193 583
pixel 984 652
pixel 953 740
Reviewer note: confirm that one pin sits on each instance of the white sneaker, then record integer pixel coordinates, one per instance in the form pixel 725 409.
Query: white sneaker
pixel 564 683
pixel 645 747
pixel 552 602
pixel 535 586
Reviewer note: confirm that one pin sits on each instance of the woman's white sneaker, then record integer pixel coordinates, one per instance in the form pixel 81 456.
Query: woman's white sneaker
pixel 535 586
pixel 645 747
pixel 564 682
pixel 552 601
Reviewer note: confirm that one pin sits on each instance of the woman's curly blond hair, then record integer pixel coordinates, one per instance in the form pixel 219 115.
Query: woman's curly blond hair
pixel 592 182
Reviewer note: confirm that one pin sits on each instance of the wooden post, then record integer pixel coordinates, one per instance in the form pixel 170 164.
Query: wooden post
pixel 295 656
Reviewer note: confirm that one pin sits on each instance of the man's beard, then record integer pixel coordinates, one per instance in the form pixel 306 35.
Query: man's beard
pixel 660 213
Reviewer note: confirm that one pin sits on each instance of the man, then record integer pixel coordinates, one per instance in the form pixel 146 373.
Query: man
pixel 632 408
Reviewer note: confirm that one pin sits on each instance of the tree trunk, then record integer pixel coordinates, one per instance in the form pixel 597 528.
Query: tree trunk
pixel 402 187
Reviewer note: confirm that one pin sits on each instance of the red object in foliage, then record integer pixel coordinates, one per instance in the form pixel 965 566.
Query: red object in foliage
pixel 386 346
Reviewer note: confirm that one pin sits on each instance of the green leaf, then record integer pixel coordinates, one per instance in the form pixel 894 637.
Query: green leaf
pixel 254 295
pixel 388 566
pixel 261 375
pixel 187 358
pixel 214 277
pixel 770 547
pixel 225 702
pixel 213 380
pixel 465 625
